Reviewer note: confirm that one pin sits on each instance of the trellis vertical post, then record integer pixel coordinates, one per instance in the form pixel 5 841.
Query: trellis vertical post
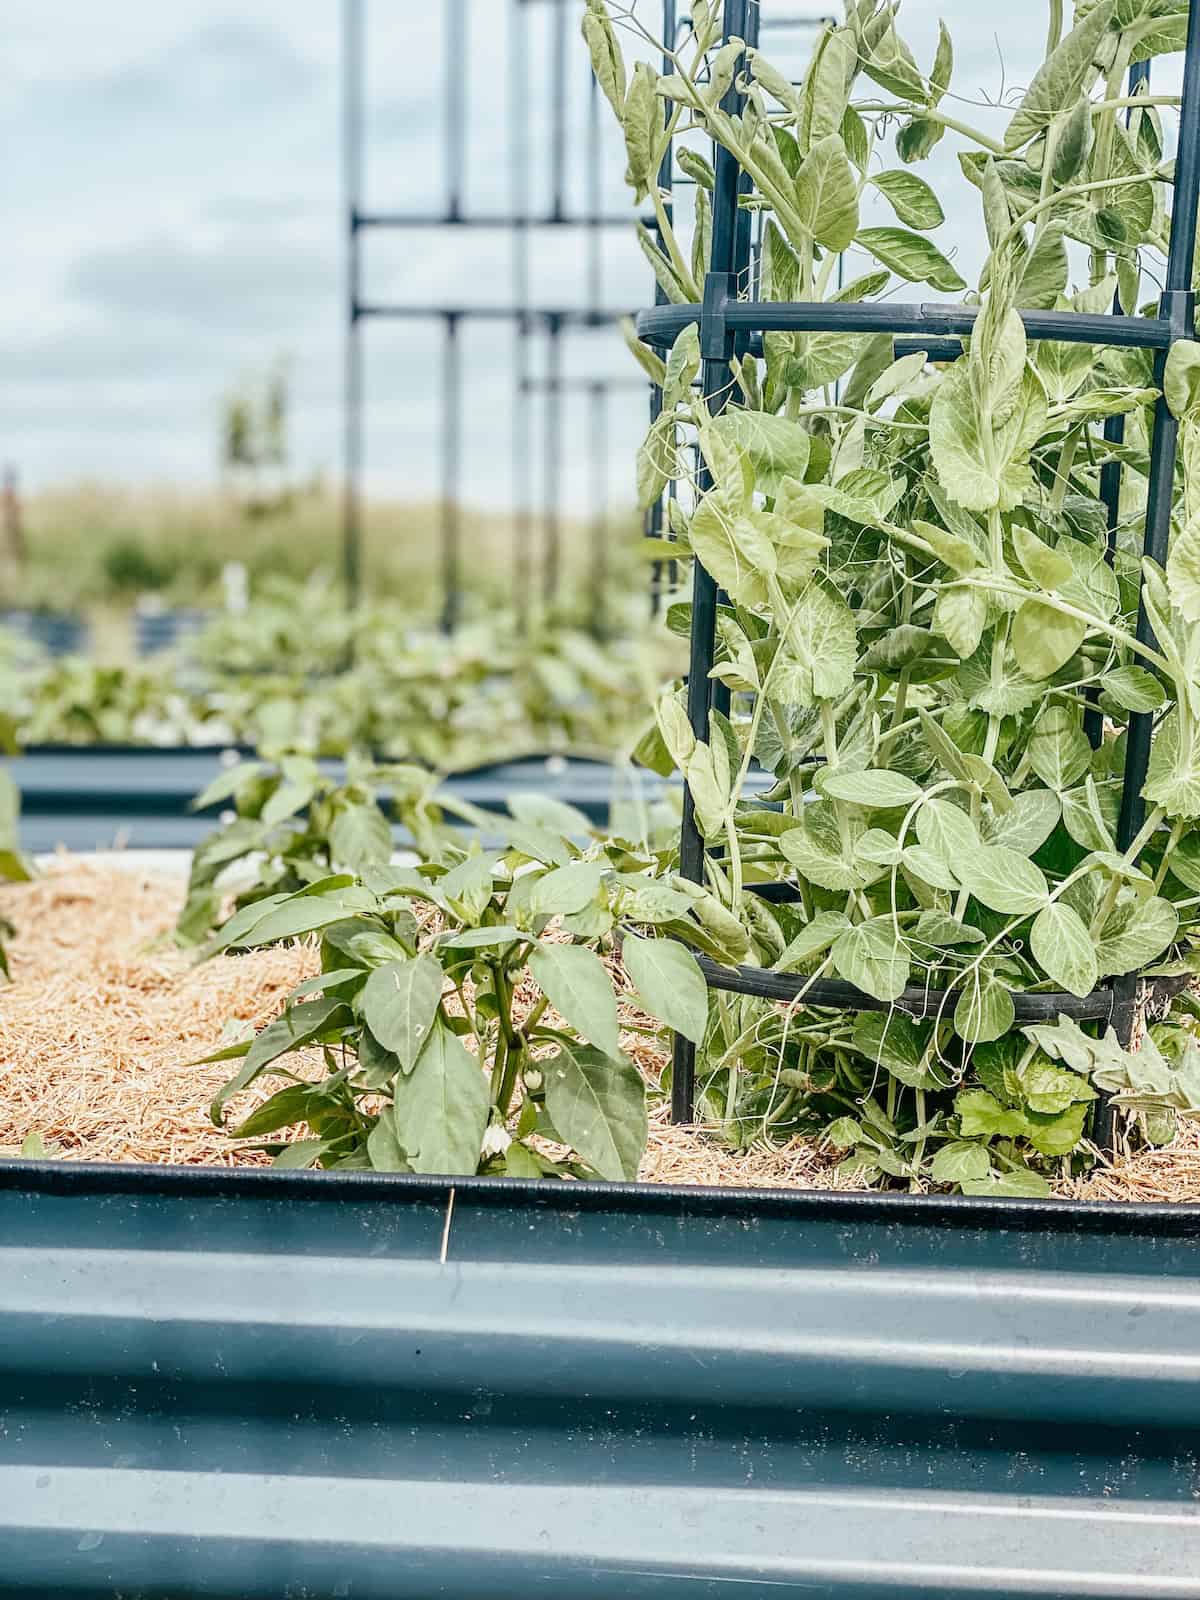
pixel 716 349
pixel 1177 307
pixel 352 94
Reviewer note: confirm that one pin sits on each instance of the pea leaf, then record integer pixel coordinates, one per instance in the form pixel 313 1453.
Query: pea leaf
pixel 911 256
pixel 1066 72
pixel 960 616
pixel 947 830
pixel 1020 1182
pixel 981 470
pixel 913 201
pixel 597 1104
pixel 819 648
pixel 1134 688
pixel 776 447
pixel 812 939
pixel 1136 932
pixel 734 548
pixel 1064 949
pixel 1028 824
pixel 1048 568
pixel 873 957
pixel 670 985
pixel 1183 570
pixel 985 1010
pixel 827 194
pixel 1043 639
pixel 819 864
pixel 897 1043
pixel 960 1159
pixel 607 61
pixel 1058 748
pixel 578 986
pixel 1001 879
pixel 1181 378
pixel 399 1003
pixel 874 790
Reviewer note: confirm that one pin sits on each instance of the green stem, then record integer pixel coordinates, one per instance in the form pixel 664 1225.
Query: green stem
pixel 682 271
pixel 1068 193
pixel 1126 640
pixel 919 1152
pixel 952 124
pixel 1055 26
pixel 1145 833
pixel 535 1016
pixel 1164 865
pixel 1062 477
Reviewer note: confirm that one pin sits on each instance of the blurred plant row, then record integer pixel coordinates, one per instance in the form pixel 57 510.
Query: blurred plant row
pixel 296 672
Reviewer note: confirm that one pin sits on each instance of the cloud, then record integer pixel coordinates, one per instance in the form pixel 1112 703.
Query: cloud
pixel 205 71
pixel 233 284
pixel 171 186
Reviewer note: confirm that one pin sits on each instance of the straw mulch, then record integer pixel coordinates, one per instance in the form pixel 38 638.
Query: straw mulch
pixel 104 1016
pixel 1169 1174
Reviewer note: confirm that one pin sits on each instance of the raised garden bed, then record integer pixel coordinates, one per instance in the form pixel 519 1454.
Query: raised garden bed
pixel 105 1016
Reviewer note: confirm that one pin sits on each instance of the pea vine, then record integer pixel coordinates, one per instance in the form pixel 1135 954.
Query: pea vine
pixel 927 644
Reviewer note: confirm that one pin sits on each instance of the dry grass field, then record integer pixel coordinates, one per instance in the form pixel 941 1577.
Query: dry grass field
pixel 94 545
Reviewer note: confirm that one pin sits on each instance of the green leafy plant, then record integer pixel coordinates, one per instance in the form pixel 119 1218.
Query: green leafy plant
pixel 925 641
pixel 14 867
pixel 295 673
pixel 292 826
pixel 464 1019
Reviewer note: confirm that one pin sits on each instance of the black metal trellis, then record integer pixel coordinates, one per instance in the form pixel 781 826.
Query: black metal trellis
pixel 549 324
pixel 729 326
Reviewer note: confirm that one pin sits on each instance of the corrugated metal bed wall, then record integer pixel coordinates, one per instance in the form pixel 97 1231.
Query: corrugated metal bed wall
pixel 249 1384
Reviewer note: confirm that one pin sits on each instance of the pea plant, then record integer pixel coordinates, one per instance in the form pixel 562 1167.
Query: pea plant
pixel 464 1019
pixel 928 643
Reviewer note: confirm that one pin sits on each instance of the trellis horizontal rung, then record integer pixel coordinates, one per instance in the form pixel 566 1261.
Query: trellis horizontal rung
pixel 500 223
pixel 662 325
pixel 790 988
pixel 576 317
pixel 935 349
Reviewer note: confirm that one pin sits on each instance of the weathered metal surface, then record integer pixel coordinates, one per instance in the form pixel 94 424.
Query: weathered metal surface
pixel 263 1385
pixel 85 798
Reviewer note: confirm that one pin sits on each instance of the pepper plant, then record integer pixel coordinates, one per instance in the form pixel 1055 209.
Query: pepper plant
pixel 293 824
pixel 928 643
pixel 464 1019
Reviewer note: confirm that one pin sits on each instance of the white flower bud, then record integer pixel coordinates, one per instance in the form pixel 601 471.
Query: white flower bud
pixel 496 1140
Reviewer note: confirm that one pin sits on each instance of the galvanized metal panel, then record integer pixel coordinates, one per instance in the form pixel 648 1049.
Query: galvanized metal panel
pixel 245 1384
pixel 85 797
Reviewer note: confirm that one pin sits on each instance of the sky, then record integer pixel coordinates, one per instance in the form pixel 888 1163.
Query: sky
pixel 173 205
